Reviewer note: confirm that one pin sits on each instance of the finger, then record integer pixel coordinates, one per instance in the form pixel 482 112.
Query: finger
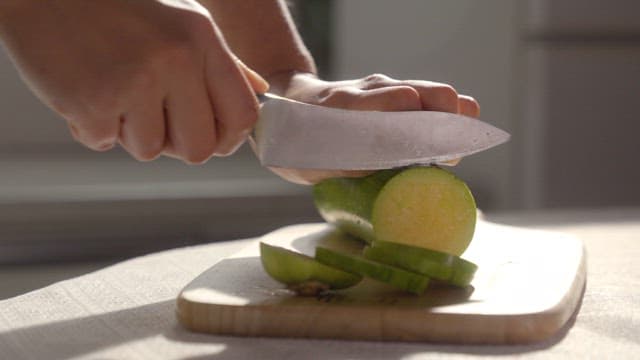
pixel 142 131
pixel 393 98
pixel 191 132
pixel 96 134
pixel 233 98
pixel 257 82
pixel 436 96
pixel 452 162
pixel 468 106
pixel 433 95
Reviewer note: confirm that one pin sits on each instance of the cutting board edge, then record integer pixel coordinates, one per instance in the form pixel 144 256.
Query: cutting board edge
pixel 545 323
pixel 540 326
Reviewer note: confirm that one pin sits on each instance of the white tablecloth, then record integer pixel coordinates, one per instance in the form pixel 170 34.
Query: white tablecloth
pixel 126 311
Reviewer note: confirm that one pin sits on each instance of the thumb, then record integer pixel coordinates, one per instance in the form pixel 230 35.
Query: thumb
pixel 257 82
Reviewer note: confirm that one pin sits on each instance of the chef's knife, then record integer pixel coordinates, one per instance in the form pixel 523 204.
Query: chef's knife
pixel 292 134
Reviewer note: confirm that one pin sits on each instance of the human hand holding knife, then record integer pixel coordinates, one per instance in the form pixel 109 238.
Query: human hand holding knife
pixel 305 143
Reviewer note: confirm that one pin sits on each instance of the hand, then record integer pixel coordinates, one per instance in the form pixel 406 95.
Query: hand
pixel 154 75
pixel 374 92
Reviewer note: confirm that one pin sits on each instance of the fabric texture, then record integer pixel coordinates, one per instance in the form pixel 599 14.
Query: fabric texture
pixel 127 311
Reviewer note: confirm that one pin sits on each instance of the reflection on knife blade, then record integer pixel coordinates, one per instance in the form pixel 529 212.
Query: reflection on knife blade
pixel 291 134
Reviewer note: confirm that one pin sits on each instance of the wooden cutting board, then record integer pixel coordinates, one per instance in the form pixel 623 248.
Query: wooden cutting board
pixel 528 285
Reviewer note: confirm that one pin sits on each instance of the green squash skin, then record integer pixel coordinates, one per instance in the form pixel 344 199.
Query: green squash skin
pixel 348 203
pixel 294 269
pixel 399 278
pixel 444 267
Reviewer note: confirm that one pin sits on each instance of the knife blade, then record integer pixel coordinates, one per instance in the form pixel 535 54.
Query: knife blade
pixel 291 134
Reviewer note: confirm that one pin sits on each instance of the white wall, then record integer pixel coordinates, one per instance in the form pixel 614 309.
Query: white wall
pixel 469 44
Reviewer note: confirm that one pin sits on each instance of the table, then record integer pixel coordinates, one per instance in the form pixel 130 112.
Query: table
pixel 126 311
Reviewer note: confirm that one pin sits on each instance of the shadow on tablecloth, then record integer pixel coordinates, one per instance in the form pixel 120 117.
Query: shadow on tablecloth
pixel 113 331
pixel 272 348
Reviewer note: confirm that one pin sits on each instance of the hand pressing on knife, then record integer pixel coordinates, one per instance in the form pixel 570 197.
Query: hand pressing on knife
pixel 155 76
pixel 374 92
pixel 165 76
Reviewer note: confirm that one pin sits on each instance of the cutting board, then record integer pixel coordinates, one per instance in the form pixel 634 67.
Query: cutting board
pixel 528 285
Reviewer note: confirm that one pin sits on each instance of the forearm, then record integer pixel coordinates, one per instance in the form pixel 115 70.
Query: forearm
pixel 262 34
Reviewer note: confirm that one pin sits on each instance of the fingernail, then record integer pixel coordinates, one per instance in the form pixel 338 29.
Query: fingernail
pixel 263 83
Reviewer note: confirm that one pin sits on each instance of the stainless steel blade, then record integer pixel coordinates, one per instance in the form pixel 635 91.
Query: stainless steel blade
pixel 291 134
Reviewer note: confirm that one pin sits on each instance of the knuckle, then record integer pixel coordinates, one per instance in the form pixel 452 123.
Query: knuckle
pixel 403 92
pixel 230 148
pixel 199 155
pixel 96 139
pixel 406 98
pixel 443 97
pixel 199 23
pixel 231 142
pixel 248 117
pixel 468 98
pixel 99 136
pixel 470 105
pixel 340 97
pixel 474 103
pixel 148 153
pixel 476 108
pixel 241 113
pixel 376 79
pixel 447 92
pixel 341 92
pixel 324 93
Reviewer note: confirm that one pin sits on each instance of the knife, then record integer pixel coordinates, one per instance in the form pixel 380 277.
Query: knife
pixel 291 134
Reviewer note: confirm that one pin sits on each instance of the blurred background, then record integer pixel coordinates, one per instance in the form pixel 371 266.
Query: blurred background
pixel 563 77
